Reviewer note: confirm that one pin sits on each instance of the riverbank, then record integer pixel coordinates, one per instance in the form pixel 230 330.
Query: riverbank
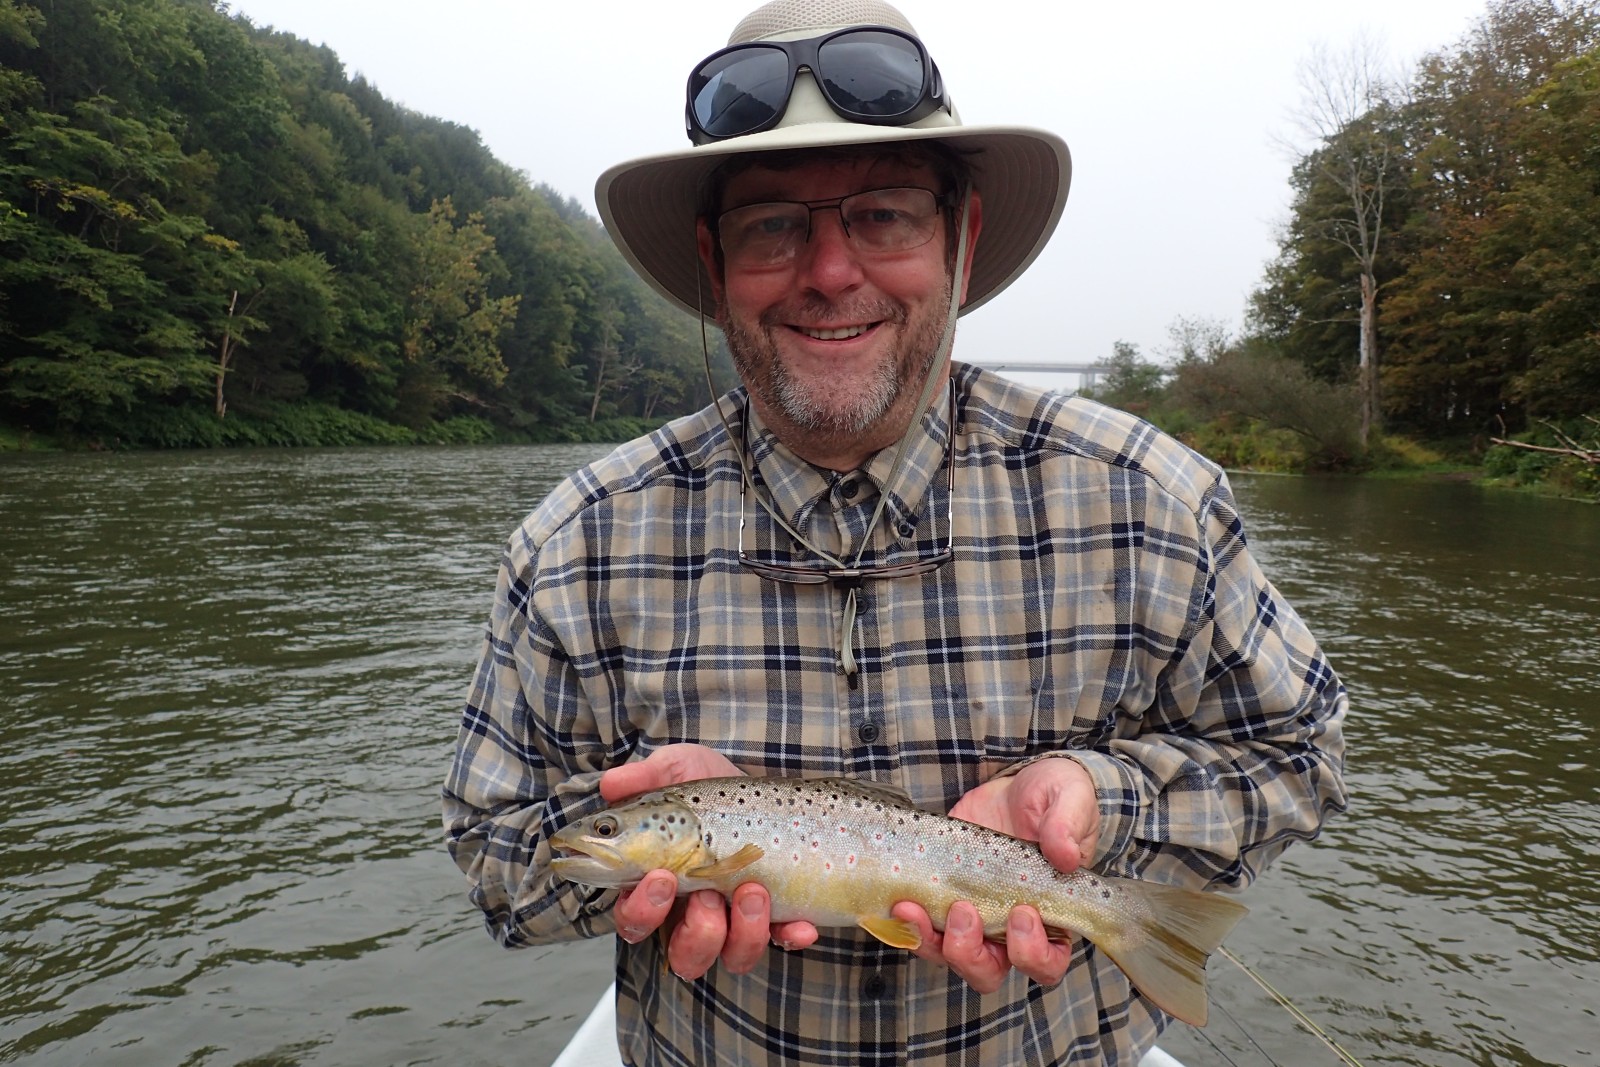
pixel 312 426
pixel 1252 450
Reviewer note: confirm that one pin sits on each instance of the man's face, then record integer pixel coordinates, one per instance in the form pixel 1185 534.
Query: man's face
pixel 835 344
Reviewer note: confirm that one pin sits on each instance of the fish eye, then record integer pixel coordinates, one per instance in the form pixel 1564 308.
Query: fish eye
pixel 605 826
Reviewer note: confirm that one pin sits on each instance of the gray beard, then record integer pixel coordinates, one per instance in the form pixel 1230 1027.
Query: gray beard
pixel 808 407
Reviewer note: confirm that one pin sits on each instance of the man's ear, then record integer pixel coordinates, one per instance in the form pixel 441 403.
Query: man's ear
pixel 706 245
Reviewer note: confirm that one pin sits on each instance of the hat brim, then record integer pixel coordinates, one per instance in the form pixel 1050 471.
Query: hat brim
pixel 649 205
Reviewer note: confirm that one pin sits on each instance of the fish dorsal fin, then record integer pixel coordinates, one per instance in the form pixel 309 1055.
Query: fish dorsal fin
pixel 896 933
pixel 733 864
pixel 882 790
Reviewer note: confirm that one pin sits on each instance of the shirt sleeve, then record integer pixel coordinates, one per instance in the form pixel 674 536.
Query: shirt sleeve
pixel 1242 750
pixel 527 762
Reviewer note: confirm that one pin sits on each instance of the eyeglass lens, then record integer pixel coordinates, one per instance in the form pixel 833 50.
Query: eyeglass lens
pixel 866 73
pixel 879 220
pixel 741 90
pixel 872 74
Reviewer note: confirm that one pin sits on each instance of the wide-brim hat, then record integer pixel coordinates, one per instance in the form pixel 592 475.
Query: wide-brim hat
pixel 649 205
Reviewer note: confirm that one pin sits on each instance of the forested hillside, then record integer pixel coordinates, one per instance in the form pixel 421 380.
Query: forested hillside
pixel 210 234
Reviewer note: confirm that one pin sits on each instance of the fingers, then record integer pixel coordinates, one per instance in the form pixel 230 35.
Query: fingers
pixel 985 964
pixel 749 927
pixel 666 766
pixel 794 936
pixel 931 946
pixel 1031 951
pixel 961 947
pixel 1062 847
pixel 641 911
pixel 700 935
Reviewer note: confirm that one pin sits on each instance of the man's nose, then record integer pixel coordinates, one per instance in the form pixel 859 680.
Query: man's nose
pixel 829 262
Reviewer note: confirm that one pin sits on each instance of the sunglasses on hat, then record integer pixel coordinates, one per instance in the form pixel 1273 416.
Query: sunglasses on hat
pixel 868 74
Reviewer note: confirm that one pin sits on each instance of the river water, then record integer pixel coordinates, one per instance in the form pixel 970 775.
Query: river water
pixel 229 685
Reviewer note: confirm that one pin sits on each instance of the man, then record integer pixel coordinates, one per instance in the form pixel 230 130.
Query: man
pixel 1026 610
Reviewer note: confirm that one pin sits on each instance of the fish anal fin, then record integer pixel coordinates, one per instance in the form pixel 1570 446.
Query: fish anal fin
pixel 728 865
pixel 1058 934
pixel 896 933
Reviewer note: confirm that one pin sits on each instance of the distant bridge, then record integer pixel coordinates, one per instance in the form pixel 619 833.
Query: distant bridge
pixel 1088 373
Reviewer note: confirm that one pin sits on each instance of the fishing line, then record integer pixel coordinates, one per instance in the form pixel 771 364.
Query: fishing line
pixel 1216 1047
pixel 1299 1016
pixel 1247 1035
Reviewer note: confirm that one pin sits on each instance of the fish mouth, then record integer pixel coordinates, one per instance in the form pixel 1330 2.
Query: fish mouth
pixel 585 848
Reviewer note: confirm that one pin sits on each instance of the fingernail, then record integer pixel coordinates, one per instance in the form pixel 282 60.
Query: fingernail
pixel 750 906
pixel 630 934
pixel 784 943
pixel 659 893
pixel 960 921
pixel 1021 924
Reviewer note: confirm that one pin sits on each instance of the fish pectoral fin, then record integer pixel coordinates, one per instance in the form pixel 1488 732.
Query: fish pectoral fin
pixel 733 864
pixel 896 933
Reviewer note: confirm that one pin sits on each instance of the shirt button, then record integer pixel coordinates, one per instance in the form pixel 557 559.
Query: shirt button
pixel 873 987
pixel 868 733
pixel 849 488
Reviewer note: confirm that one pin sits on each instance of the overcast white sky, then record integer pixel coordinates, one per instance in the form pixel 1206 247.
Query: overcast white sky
pixel 1173 109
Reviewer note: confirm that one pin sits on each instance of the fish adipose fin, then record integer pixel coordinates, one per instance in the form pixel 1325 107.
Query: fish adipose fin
pixel 896 933
pixel 1165 958
pixel 733 864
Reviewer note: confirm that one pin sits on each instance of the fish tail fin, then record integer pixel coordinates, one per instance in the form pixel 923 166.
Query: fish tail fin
pixel 1164 956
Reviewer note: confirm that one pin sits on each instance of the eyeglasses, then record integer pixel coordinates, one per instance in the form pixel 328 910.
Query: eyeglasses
pixel 854 576
pixel 771 234
pixel 870 74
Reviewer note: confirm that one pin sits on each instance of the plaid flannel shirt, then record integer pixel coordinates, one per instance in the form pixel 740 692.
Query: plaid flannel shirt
pixel 1102 604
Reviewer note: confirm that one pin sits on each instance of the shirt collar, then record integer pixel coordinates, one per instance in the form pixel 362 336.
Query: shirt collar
pixel 796 487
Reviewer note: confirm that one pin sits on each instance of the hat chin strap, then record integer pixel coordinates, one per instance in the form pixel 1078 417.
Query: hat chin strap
pixel 847 659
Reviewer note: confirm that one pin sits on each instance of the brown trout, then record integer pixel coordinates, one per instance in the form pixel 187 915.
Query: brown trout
pixel 840 852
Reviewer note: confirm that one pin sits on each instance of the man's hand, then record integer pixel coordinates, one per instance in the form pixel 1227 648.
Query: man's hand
pixel 1052 802
pixel 703 928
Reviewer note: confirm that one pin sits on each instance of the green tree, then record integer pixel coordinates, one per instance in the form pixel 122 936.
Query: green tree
pixel 451 330
pixel 1132 383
